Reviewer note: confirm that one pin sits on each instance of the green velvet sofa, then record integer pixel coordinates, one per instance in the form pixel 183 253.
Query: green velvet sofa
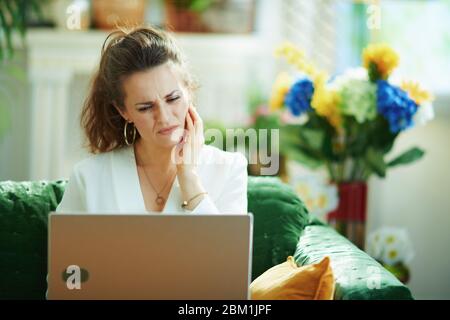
pixel 282 227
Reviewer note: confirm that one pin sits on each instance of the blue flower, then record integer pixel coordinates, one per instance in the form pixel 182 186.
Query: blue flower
pixel 298 99
pixel 395 106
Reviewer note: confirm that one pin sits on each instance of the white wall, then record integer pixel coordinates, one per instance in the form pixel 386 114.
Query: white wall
pixel 417 197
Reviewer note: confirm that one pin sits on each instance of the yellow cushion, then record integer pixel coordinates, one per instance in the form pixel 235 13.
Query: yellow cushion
pixel 287 281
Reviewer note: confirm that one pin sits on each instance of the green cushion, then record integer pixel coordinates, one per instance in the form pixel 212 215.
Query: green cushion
pixel 279 217
pixel 23 236
pixel 357 275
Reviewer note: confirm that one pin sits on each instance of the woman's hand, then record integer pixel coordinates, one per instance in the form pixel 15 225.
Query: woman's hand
pixel 189 148
pixel 187 154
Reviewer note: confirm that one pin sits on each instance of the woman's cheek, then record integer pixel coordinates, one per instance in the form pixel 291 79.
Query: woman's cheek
pixel 143 126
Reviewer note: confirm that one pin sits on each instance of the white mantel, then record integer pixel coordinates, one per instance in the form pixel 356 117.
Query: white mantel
pixel 224 64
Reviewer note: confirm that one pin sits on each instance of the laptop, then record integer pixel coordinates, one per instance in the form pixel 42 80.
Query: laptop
pixel 149 256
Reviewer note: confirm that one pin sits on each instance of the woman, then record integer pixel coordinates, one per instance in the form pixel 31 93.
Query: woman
pixel 147 138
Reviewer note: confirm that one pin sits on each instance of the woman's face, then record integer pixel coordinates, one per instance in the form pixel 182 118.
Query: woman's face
pixel 156 99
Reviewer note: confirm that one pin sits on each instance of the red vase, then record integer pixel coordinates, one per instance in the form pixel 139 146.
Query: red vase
pixel 349 218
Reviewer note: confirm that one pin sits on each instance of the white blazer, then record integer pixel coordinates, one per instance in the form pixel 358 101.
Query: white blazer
pixel 109 183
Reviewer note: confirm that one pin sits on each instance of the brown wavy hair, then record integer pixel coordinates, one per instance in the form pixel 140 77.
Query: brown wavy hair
pixel 124 53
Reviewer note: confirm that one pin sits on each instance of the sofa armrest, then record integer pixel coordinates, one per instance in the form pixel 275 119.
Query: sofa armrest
pixel 278 218
pixel 357 275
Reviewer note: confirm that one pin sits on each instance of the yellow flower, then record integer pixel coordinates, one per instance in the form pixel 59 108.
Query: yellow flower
pixel 279 90
pixel 296 57
pixel 416 93
pixel 382 56
pixel 324 101
pixel 322 201
pixel 393 254
pixel 309 203
pixel 390 239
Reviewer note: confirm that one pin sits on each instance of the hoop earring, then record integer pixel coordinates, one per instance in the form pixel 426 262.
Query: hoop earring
pixel 125 133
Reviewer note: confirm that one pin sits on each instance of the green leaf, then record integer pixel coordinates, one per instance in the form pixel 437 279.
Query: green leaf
pixel 19 19
pixel 309 138
pixel 329 133
pixel 289 137
pixel 407 157
pixel 374 75
pixel 313 138
pixel 374 160
pixel 301 156
pixel 381 136
pixel 293 146
pixel 7 33
pixel 36 7
pixel 13 18
pixel 357 139
pixel 1 47
pixel 200 5
pixel 269 121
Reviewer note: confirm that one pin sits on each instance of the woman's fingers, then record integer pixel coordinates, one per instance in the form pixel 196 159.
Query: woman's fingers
pixel 190 128
pixel 186 144
pixel 196 115
pixel 198 123
pixel 192 143
pixel 194 122
pixel 193 113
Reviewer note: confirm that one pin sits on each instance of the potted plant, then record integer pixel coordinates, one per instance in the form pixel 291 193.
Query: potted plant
pixel 14 17
pixel 220 16
pixel 348 125
pixel 185 15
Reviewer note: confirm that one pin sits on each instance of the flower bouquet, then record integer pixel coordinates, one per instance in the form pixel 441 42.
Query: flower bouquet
pixel 392 248
pixel 348 123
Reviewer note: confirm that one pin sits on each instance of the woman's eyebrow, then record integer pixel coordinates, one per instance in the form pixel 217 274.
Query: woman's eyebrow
pixel 151 102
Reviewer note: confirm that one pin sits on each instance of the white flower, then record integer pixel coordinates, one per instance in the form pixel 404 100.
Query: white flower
pixel 318 196
pixel 392 254
pixel 425 113
pixel 374 246
pixel 352 74
pixel 326 200
pixel 390 245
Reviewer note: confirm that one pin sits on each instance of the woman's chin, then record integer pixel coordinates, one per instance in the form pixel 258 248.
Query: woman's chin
pixel 168 140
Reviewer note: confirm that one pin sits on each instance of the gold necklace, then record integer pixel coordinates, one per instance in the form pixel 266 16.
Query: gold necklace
pixel 159 200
